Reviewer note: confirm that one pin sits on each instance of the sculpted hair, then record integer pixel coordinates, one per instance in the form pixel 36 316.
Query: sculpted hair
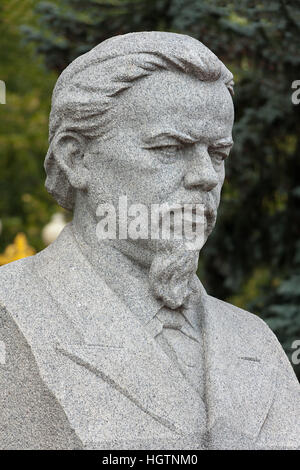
pixel 88 88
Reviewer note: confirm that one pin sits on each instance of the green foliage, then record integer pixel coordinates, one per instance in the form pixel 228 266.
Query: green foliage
pixel 253 257
pixel 24 203
pixel 69 28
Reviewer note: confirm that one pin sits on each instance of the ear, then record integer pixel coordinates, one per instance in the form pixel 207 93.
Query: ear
pixel 68 151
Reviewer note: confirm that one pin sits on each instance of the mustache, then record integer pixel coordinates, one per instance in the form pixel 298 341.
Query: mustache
pixel 191 210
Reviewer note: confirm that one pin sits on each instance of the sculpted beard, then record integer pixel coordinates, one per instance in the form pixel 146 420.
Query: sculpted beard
pixel 171 273
pixel 173 268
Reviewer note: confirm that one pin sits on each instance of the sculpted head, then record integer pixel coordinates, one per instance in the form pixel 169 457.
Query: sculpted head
pixel 147 115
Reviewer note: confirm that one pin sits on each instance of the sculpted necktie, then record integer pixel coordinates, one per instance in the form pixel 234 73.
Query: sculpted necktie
pixel 181 341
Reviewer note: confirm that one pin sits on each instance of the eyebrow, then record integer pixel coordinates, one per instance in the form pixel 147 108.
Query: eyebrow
pixel 184 138
pixel 178 136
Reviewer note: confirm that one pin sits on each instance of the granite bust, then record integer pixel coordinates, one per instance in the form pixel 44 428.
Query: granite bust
pixel 114 343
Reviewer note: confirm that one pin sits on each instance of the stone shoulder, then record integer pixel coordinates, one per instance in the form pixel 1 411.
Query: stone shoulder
pixel 17 286
pixel 15 274
pixel 247 326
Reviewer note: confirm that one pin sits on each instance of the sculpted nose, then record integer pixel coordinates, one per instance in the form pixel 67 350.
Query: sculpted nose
pixel 200 172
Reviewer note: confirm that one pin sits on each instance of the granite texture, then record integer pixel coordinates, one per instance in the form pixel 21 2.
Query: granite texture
pixel 115 344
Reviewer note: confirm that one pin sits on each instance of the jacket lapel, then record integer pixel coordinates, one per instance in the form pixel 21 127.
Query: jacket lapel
pixel 92 328
pixel 239 387
pixel 114 345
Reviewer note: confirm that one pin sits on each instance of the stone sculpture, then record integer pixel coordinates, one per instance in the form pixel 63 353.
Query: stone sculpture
pixel 114 343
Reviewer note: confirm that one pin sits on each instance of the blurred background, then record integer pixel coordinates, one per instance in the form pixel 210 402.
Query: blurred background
pixel 253 257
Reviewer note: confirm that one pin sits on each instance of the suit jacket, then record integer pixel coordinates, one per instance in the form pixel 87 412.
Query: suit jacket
pixel 78 370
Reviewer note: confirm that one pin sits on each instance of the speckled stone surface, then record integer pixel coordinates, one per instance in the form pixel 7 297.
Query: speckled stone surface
pixel 114 344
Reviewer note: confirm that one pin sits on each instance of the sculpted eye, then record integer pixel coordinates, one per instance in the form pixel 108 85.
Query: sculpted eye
pixel 168 148
pixel 167 153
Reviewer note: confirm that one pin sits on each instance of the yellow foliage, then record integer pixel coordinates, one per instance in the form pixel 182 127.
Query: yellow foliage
pixel 252 287
pixel 17 250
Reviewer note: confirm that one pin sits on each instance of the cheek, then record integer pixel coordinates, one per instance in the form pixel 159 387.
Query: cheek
pixel 222 175
pixel 119 169
pixel 168 179
pixel 216 192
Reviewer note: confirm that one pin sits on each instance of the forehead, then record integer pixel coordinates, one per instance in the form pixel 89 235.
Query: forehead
pixel 180 102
